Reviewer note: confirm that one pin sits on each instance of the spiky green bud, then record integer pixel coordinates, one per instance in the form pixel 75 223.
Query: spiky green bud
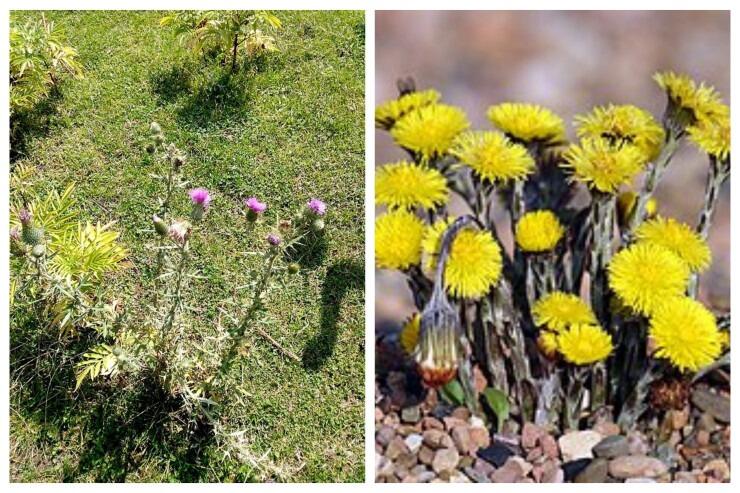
pixel 159 225
pixel 39 250
pixel 317 225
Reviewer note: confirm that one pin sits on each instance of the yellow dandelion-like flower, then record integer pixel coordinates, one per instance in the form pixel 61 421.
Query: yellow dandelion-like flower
pixel 388 113
pixel 584 344
pixel 645 274
pixel 492 156
pixel 685 333
pixel 409 336
pixel 724 339
pixel 429 131
pixel 558 310
pixel 623 124
pixel 398 240
pixel 538 231
pixel 548 343
pixel 679 238
pixel 432 242
pixel 602 166
pixel 713 136
pixel 701 100
pixel 474 264
pixel 626 202
pixel 407 185
pixel 528 122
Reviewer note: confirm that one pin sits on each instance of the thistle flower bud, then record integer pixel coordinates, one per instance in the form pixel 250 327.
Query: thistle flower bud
pixel 159 225
pixel 317 225
pixel 274 239
pixel 159 139
pixel 39 250
pixel 178 160
pixel 30 234
pixel 255 208
pixel 154 128
pixel 150 148
pixel 293 268
pixel 16 244
pixel 201 199
pixel 179 231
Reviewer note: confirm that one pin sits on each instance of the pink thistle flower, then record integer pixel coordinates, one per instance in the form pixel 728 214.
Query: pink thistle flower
pixel 25 216
pixel 200 196
pixel 255 205
pixel 273 239
pixel 317 207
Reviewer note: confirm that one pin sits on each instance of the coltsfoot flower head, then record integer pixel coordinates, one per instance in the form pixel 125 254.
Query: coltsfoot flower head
pixel 474 264
pixel 429 131
pixel 179 231
pixel 644 275
pixel 398 240
pixel 254 208
pixel 493 157
pixel 685 333
pixel 316 206
pixel 713 136
pixel 623 125
pixel 201 200
pixel 388 113
pixel 558 310
pixel 159 225
pixel 538 231
pixel 584 344
pixel 603 166
pixel 626 202
pixel 407 185
pixel 409 335
pixel 528 122
pixel 689 102
pixel 679 238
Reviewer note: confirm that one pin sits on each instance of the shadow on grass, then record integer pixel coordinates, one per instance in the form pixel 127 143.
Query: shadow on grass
pixel 310 253
pixel 123 430
pixel 341 277
pixel 171 84
pixel 32 123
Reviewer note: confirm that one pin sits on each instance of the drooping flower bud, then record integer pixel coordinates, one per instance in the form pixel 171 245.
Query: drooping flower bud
pixel 201 199
pixel 254 208
pixel 159 225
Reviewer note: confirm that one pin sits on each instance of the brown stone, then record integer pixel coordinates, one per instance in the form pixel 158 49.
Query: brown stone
pixel 426 455
pixel 437 439
pixel 445 460
pixel 531 433
pixel 452 422
pixel 461 413
pixel 463 442
pixel 430 423
pixel 480 436
pixel 636 466
pixel 395 448
pixel 550 446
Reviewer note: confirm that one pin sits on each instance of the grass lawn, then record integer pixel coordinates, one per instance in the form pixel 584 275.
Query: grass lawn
pixel 285 128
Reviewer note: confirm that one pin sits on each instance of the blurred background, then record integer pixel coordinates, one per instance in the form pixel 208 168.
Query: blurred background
pixel 568 62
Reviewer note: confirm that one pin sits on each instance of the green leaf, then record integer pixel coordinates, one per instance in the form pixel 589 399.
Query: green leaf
pixel 499 404
pixel 453 393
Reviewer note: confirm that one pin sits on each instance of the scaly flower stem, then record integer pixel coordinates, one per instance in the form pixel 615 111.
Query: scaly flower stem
pixel 654 174
pixel 574 394
pixel 164 211
pixel 602 227
pixel 719 171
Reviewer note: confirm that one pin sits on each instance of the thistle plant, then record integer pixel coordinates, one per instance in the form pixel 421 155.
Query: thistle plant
pixel 592 307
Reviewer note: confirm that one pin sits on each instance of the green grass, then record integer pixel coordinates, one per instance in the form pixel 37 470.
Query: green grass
pixel 284 128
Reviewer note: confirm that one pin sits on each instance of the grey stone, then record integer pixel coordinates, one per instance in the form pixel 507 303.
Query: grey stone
pixel 411 414
pixel 612 446
pixel 413 442
pixel 715 404
pixel 476 476
pixel 595 472
pixel 578 444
